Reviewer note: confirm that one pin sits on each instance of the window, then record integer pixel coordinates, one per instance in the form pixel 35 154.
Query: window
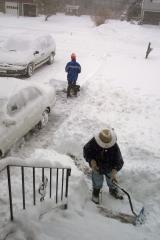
pixel 40 44
pixel 16 44
pixel 31 93
pixel 15 104
pixel 12 7
pixel 49 41
pixel 21 99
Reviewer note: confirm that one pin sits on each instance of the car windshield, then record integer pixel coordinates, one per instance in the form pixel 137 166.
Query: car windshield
pixel 17 45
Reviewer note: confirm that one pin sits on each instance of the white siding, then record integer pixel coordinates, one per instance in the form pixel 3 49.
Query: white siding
pixel 149 5
pixel 11 8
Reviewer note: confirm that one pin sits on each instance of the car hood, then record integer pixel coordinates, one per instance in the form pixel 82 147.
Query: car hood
pixel 15 57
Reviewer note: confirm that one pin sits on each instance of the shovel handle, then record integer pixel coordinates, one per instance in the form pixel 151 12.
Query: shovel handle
pixel 129 198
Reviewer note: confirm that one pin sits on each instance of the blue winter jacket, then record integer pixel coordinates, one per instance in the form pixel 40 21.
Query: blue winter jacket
pixel 73 68
pixel 106 159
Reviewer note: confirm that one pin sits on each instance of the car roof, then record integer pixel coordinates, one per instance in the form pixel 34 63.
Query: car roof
pixel 29 36
pixel 9 86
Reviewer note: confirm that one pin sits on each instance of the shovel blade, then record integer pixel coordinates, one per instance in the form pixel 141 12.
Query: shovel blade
pixel 140 218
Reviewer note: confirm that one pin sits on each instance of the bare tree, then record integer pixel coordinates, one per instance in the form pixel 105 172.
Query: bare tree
pixel 100 14
pixel 47 7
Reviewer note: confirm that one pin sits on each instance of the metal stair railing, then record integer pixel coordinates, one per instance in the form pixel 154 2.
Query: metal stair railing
pixel 61 182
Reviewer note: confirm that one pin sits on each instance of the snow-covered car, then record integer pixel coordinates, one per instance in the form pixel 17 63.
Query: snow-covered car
pixel 22 54
pixel 23 106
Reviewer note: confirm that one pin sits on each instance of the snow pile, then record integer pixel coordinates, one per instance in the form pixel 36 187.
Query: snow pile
pixel 80 220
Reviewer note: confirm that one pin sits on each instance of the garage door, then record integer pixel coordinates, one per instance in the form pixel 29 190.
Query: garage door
pixel 11 8
pixel 29 10
pixel 151 17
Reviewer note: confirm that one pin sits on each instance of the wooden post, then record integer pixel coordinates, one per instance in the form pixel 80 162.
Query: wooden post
pixel 149 49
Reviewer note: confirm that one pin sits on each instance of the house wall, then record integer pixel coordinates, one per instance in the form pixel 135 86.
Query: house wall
pixel 11 8
pixel 151 5
pixel 72 10
pixel 2 5
pixel 20 7
pixel 150 13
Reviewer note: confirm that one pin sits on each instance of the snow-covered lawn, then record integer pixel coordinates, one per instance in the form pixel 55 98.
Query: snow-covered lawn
pixel 118 87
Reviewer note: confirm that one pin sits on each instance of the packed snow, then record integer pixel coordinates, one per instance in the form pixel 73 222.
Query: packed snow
pixel 119 87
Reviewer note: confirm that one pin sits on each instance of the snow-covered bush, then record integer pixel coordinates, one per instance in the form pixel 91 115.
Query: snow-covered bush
pixel 100 16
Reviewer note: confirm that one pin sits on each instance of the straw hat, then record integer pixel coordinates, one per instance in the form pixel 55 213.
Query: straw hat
pixel 106 138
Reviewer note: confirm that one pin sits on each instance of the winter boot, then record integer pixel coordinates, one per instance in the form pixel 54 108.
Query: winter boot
pixel 95 195
pixel 69 90
pixel 115 193
pixel 74 90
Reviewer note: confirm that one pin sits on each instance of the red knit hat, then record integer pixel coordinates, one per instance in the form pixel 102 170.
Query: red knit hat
pixel 73 56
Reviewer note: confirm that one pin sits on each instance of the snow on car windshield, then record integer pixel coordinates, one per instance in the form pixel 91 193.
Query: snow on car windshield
pixel 18 44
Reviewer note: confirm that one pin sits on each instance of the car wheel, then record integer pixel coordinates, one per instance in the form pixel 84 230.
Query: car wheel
pixel 51 59
pixel 30 70
pixel 1 154
pixel 44 120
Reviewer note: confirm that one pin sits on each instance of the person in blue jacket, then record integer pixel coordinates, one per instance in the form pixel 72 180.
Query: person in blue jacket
pixel 72 68
pixel 104 157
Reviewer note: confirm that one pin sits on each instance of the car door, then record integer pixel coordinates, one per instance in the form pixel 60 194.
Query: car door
pixel 14 122
pixel 40 46
pixel 46 52
pixel 50 47
pixel 34 106
pixel 37 52
pixel 24 111
pixel 47 47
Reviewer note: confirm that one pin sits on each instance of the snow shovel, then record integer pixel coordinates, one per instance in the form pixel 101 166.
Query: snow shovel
pixel 138 218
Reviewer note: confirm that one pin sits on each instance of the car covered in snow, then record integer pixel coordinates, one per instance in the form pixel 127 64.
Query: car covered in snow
pixel 22 54
pixel 23 106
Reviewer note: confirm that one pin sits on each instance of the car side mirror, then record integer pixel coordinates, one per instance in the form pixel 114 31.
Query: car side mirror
pixel 9 122
pixel 36 52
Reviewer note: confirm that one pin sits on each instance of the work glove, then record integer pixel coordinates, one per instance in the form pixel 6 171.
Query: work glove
pixel 94 165
pixel 114 176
